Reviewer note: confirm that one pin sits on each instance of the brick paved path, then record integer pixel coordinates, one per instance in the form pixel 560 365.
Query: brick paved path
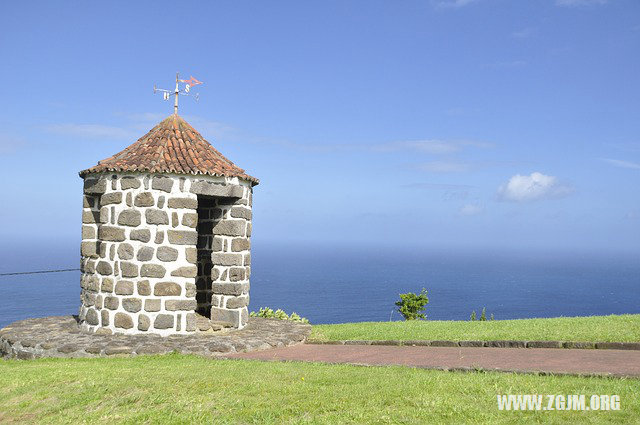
pixel 600 362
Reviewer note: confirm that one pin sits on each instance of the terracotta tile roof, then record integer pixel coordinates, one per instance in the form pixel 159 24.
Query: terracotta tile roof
pixel 172 146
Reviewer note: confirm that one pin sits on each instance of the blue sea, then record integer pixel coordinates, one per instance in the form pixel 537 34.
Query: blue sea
pixel 327 284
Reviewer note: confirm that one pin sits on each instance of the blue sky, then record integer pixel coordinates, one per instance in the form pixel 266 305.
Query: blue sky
pixel 468 123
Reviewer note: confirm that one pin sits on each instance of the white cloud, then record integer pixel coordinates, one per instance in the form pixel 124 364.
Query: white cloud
pixel 453 3
pixel 534 187
pixel 577 3
pixel 470 210
pixel 93 131
pixel 622 164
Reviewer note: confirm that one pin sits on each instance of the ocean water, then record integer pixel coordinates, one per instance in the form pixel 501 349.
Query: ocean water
pixel 353 284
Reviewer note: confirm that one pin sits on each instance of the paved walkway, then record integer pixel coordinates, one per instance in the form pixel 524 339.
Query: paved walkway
pixel 564 361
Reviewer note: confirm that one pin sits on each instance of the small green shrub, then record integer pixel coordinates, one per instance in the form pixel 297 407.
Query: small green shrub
pixel 411 305
pixel 483 315
pixel 279 314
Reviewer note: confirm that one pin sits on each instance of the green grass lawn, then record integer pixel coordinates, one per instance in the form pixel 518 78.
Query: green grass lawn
pixel 623 328
pixel 189 389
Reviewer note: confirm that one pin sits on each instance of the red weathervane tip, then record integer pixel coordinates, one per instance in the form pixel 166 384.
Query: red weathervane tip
pixel 191 81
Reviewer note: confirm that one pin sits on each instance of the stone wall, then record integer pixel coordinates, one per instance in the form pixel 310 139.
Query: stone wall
pixel 140 252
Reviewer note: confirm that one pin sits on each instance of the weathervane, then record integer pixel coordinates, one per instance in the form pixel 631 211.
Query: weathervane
pixel 166 94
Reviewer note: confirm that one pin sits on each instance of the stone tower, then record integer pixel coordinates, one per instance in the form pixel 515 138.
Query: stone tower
pixel 166 225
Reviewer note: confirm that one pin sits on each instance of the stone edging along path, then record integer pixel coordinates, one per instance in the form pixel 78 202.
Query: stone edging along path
pixel 60 336
pixel 493 344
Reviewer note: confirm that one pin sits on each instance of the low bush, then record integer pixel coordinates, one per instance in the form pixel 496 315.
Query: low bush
pixel 411 305
pixel 279 314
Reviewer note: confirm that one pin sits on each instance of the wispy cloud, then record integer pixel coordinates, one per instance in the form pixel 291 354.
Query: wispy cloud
pixel 437 147
pixel 533 187
pixel 92 131
pixel 505 64
pixel 523 33
pixel 621 164
pixel 578 3
pixel 452 4
pixel 445 166
pixel 468 210
pixel 9 144
pixel 445 186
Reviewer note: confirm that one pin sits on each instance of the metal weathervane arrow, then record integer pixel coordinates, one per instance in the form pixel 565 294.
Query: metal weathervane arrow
pixel 186 91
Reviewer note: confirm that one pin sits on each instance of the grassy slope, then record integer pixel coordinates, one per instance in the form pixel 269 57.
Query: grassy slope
pixel 623 328
pixel 187 389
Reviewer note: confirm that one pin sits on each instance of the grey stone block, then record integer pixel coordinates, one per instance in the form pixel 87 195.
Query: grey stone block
pixel 152 270
pixel 144 287
pixel 155 216
pixel 132 305
pixel 160 202
pixel 124 287
pixel 226 259
pixel 163 321
pixel 152 305
pixel 190 271
pixel 173 305
pixel 191 322
pixel 186 203
pixel 236 274
pixel 166 253
pixel 230 288
pixel 90 217
pixel 240 244
pixel 107 284
pixel 237 302
pixel 145 253
pixel 506 344
pixel 544 344
pixel 104 268
pixel 125 251
pixel 104 316
pixel 224 315
pixel 108 233
pixel 143 322
pixel 174 219
pixel 190 219
pixel 182 237
pixel 240 212
pixel 192 255
pixel 90 248
pixel 144 199
pixel 111 198
pixel 88 232
pixel 167 289
pixel 142 235
pixel 128 269
pixel 95 186
pixel 92 317
pixel 129 183
pixel 190 290
pixel 130 217
pixel 162 183
pixel 123 321
pixel 230 228
pixel 214 189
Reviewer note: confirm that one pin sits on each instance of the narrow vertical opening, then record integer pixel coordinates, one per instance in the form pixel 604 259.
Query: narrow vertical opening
pixel 206 221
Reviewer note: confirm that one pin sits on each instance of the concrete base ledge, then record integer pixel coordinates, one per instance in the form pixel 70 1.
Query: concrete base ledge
pixel 61 336
pixel 494 344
